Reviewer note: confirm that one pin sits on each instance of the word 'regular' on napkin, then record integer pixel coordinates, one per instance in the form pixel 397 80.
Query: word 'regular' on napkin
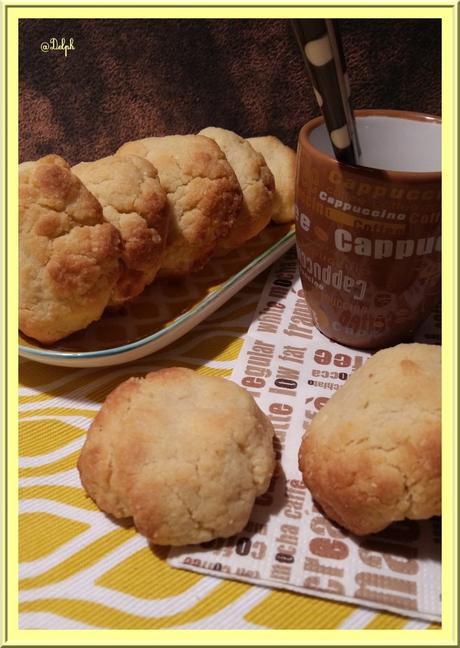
pixel 292 370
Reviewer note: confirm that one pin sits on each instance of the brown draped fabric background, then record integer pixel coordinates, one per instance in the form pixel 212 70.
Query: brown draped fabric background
pixel 135 78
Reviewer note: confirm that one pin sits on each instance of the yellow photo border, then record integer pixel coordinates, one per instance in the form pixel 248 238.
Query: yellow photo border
pixel 447 12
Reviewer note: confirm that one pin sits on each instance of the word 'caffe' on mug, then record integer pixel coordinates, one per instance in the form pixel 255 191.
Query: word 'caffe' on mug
pixel 369 237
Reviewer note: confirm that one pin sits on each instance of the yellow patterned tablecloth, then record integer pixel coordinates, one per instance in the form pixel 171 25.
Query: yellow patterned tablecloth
pixel 81 569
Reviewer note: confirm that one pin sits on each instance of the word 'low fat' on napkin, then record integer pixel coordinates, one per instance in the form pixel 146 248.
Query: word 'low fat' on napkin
pixel 291 369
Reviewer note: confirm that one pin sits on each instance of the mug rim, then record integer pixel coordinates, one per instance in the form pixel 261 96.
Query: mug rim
pixel 399 176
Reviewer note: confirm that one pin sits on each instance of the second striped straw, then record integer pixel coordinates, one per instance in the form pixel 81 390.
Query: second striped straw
pixel 322 51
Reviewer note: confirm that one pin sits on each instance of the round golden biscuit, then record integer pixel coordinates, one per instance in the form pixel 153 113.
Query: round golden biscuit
pixel 203 196
pixel 133 201
pixel 372 455
pixel 257 185
pixel 68 256
pixel 281 161
pixel 184 455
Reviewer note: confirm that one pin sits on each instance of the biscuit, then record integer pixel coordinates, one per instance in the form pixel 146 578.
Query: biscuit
pixel 204 197
pixel 257 184
pixel 68 257
pixel 184 455
pixel 134 202
pixel 372 454
pixel 281 161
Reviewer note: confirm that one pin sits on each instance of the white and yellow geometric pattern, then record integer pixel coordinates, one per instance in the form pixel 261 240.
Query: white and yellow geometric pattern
pixel 81 569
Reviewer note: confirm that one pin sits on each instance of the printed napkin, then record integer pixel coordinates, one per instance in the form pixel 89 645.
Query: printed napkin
pixel 291 370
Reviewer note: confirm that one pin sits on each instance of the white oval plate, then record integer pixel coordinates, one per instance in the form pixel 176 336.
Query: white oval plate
pixel 166 310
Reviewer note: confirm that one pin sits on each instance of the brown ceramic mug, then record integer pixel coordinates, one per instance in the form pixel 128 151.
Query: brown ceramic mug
pixel 369 236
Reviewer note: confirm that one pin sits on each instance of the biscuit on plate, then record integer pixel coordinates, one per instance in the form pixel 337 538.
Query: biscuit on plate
pixel 257 184
pixel 134 201
pixel 372 454
pixel 203 195
pixel 185 455
pixel 68 256
pixel 281 160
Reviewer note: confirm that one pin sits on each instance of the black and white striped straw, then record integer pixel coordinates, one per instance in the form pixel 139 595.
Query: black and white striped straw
pixel 323 54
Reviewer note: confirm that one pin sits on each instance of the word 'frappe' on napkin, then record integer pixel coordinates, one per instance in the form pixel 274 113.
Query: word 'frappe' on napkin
pixel 292 370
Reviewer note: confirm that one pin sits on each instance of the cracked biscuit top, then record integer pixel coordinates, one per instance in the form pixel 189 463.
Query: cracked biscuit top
pixel 68 257
pixel 203 196
pixel 372 454
pixel 257 184
pixel 281 161
pixel 184 454
pixel 134 201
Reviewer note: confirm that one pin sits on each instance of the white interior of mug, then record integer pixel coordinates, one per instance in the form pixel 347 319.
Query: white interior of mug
pixel 392 143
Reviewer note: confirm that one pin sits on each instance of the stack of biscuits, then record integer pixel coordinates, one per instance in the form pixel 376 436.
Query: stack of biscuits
pixel 96 234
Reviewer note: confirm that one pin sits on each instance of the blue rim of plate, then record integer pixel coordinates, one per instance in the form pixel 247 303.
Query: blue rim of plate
pixel 44 353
